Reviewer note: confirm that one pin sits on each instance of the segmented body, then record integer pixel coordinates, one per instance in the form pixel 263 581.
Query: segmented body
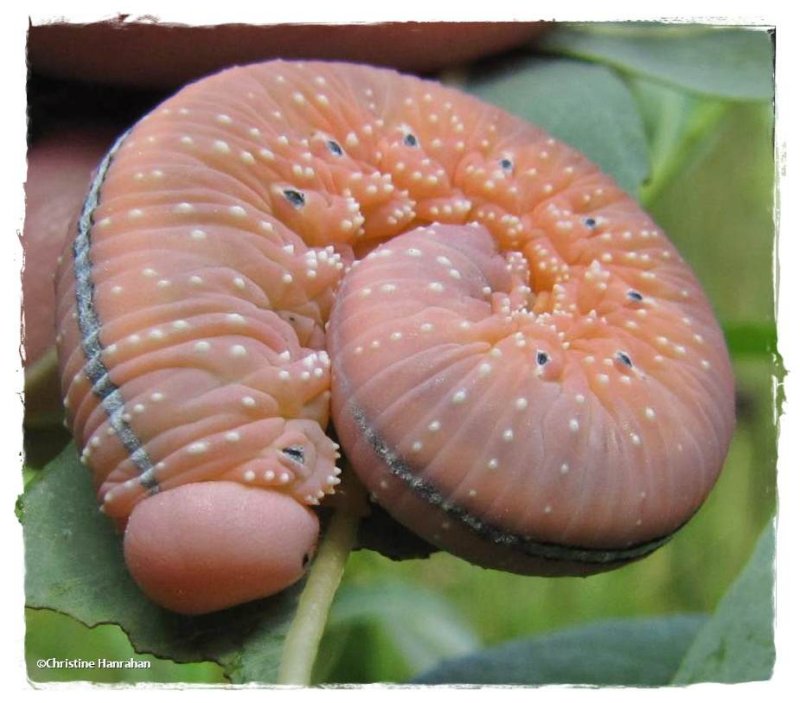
pixel 537 365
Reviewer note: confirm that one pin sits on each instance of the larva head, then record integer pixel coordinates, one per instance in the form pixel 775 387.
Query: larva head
pixel 206 546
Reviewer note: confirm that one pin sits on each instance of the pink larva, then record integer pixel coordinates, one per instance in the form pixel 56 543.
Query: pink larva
pixel 524 370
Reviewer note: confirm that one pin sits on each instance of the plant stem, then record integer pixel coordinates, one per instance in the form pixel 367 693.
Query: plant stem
pixel 324 575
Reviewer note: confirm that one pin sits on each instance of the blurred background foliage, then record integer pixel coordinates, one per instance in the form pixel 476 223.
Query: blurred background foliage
pixel 683 116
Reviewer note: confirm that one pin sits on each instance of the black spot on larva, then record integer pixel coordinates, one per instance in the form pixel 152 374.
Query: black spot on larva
pixel 306 559
pixel 507 165
pixel 295 197
pixel 334 147
pixel 410 140
pixel 542 357
pixel 295 454
pixel 635 295
pixel 590 222
pixel 625 359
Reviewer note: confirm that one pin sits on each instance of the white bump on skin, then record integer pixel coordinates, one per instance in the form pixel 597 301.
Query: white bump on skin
pixel 202 346
pixel 574 425
pixel 459 397
pixel 232 436
pixel 197 448
pixel 248 401
pixel 238 350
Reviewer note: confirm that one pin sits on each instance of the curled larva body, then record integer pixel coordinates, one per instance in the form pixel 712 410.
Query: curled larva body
pixel 523 369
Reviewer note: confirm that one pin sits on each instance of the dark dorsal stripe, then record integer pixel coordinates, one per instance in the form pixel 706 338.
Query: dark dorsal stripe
pixel 89 325
pixel 518 543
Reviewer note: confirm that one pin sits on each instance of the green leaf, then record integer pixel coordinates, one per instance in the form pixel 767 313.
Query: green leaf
pixel 586 106
pixel 414 625
pixel 74 565
pixel 751 338
pixel 624 652
pixel 737 643
pixel 678 126
pixel 53 637
pixel 719 213
pixel 730 63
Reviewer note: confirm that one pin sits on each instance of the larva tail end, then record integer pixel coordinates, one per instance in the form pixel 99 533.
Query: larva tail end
pixel 203 547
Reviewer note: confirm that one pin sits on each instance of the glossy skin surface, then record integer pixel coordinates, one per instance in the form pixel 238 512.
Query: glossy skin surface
pixel 537 383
